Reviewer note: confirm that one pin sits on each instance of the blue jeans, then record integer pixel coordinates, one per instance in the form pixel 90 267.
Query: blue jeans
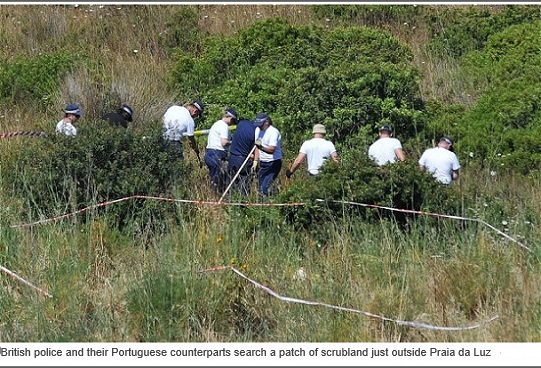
pixel 243 181
pixel 268 171
pixel 214 160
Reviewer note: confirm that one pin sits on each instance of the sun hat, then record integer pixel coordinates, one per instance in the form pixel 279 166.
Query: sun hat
pixel 260 118
pixel 73 109
pixel 447 139
pixel 199 106
pixel 386 128
pixel 231 112
pixel 129 111
pixel 319 128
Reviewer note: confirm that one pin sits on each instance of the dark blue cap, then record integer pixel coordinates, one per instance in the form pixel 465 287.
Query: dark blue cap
pixel 231 112
pixel 447 139
pixel 261 118
pixel 386 128
pixel 73 109
pixel 199 106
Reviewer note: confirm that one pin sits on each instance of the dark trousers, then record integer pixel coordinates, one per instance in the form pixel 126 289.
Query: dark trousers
pixel 243 182
pixel 268 171
pixel 175 146
pixel 216 160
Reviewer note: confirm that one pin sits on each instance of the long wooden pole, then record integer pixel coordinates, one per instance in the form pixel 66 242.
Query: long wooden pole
pixel 237 174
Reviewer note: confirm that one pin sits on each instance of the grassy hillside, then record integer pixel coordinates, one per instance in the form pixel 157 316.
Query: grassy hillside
pixel 129 271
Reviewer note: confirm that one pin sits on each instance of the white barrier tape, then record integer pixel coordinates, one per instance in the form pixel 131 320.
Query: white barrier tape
pixel 248 204
pixel 433 214
pixel 19 278
pixel 412 324
pixel 196 202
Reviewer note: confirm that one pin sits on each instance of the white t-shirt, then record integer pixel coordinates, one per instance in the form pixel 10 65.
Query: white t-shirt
pixel 317 150
pixel 177 121
pixel 66 127
pixel 382 150
pixel 441 163
pixel 217 131
pixel 269 137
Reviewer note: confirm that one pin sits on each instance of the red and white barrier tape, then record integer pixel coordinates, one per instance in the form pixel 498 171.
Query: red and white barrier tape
pixel 196 202
pixel 435 215
pixel 412 324
pixel 26 133
pixel 19 278
pixel 248 204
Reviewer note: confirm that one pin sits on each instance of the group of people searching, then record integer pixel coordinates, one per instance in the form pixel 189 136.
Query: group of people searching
pixel 255 147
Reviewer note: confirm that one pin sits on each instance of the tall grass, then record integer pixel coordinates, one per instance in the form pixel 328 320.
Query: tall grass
pixel 112 285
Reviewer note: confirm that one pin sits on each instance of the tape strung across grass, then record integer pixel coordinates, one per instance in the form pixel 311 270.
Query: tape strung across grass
pixel 435 215
pixel 412 324
pixel 27 133
pixel 247 204
pixel 19 278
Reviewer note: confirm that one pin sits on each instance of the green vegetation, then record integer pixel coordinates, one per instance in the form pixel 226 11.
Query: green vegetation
pixel 130 271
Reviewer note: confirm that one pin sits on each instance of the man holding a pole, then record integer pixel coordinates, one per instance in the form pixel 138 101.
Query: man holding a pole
pixel 241 155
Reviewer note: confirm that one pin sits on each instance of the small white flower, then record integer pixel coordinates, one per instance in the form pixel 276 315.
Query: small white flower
pixel 504 223
pixel 499 155
pixel 493 173
pixel 471 154
pixel 135 51
pixel 327 20
pixel 300 274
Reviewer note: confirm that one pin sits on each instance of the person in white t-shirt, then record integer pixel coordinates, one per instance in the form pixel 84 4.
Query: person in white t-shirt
pixel 269 153
pixel 72 113
pixel 386 149
pixel 440 161
pixel 316 151
pixel 218 141
pixel 178 122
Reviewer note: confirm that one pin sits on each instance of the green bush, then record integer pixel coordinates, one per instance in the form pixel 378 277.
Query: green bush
pixel 34 78
pixel 357 179
pixel 352 79
pixel 458 32
pixel 373 15
pixel 506 119
pixel 59 174
pixel 183 31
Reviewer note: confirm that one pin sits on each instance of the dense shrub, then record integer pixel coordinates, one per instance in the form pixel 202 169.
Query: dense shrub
pixel 457 32
pixel 358 179
pixel 58 174
pixel 352 79
pixel 506 119
pixel 34 78
pixel 373 15
pixel 183 31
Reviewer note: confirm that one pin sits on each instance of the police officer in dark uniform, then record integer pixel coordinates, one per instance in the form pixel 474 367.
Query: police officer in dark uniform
pixel 122 117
